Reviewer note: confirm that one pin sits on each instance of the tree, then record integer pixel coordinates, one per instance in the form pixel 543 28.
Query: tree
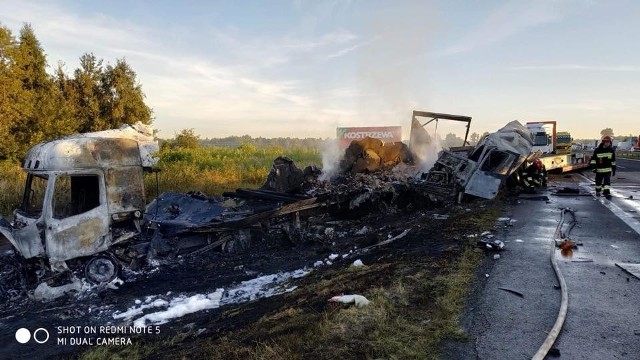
pixel 36 106
pixel 38 103
pixel 474 138
pixel 452 140
pixel 606 132
pixel 186 139
pixel 12 95
pixel 87 86
pixel 122 97
pixel 65 96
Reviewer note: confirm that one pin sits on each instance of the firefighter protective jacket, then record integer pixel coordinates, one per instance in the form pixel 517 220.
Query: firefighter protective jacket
pixel 604 159
pixel 534 177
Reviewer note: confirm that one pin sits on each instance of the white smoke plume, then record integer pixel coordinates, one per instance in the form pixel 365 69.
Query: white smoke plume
pixel 331 156
pixel 426 152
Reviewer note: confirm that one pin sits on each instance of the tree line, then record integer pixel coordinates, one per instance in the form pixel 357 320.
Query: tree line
pixel 37 106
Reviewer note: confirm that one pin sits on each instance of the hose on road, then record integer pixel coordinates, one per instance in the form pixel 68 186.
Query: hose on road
pixel 562 314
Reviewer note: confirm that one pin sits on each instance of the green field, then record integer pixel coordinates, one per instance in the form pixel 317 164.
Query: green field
pixel 211 170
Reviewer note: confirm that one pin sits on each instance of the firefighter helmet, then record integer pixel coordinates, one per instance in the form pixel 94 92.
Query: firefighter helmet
pixel 538 164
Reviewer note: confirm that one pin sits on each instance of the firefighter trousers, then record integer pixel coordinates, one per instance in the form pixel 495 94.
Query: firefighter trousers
pixel 603 182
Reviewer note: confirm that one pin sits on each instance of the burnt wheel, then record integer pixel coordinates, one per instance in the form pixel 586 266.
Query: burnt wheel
pixel 101 270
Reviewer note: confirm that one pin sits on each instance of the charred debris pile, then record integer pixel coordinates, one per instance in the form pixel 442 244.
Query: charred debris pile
pixel 284 204
pixel 373 179
pixel 96 240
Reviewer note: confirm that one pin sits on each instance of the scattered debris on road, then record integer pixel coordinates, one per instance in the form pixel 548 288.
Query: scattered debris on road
pixel 517 293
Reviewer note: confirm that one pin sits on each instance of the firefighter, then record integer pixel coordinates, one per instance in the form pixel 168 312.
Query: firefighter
pixel 534 175
pixel 603 164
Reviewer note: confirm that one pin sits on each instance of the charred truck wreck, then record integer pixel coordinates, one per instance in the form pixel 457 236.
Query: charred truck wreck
pixel 84 194
pixel 478 171
pixel 84 206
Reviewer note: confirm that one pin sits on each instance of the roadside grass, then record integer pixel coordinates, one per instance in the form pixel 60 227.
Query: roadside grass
pixel 628 155
pixel 12 180
pixel 211 170
pixel 214 170
pixel 415 306
pixel 131 352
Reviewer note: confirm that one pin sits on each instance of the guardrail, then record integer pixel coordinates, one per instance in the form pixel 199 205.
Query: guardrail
pixel 628 154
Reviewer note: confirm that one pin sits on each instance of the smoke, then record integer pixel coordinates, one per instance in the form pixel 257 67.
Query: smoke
pixel 331 156
pixel 391 69
pixel 391 72
pixel 425 151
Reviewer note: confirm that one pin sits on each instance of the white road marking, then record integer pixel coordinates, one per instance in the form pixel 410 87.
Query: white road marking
pixel 615 209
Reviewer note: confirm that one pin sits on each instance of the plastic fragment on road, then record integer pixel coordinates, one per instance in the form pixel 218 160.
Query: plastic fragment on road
pixel 358 263
pixel 357 300
pixel 440 216
pixel 517 293
pixel 492 245
pixel 496 256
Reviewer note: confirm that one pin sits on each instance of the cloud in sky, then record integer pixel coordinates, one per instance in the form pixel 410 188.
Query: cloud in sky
pixel 303 67
pixel 578 67
pixel 207 75
pixel 506 21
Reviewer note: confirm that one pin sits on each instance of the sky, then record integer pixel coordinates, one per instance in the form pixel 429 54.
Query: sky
pixel 301 68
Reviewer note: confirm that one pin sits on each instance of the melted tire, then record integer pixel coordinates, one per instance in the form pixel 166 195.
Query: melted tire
pixel 101 269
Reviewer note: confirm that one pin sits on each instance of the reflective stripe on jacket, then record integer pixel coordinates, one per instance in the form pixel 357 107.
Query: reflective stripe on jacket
pixel 604 159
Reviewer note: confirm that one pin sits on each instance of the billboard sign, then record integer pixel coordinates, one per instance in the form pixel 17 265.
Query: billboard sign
pixel 388 134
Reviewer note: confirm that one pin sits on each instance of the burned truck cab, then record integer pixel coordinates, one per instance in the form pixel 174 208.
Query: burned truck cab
pixel 484 168
pixel 83 194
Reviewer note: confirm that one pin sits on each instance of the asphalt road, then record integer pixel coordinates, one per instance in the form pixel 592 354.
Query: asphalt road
pixel 603 321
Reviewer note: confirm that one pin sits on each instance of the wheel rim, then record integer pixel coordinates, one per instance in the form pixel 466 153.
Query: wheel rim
pixel 101 270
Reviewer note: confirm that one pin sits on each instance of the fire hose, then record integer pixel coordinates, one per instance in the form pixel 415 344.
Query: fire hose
pixel 564 305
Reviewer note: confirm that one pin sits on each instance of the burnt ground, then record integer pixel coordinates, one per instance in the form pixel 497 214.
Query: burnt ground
pixel 430 246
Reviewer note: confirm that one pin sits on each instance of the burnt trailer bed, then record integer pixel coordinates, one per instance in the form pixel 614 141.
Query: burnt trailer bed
pixel 195 222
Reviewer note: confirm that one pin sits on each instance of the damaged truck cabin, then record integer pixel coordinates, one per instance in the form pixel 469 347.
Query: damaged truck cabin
pixel 83 194
pixel 482 170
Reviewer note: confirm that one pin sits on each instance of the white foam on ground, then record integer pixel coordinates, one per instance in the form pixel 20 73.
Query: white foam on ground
pixel 180 307
pixel 260 287
pixel 139 309
pixel 358 263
